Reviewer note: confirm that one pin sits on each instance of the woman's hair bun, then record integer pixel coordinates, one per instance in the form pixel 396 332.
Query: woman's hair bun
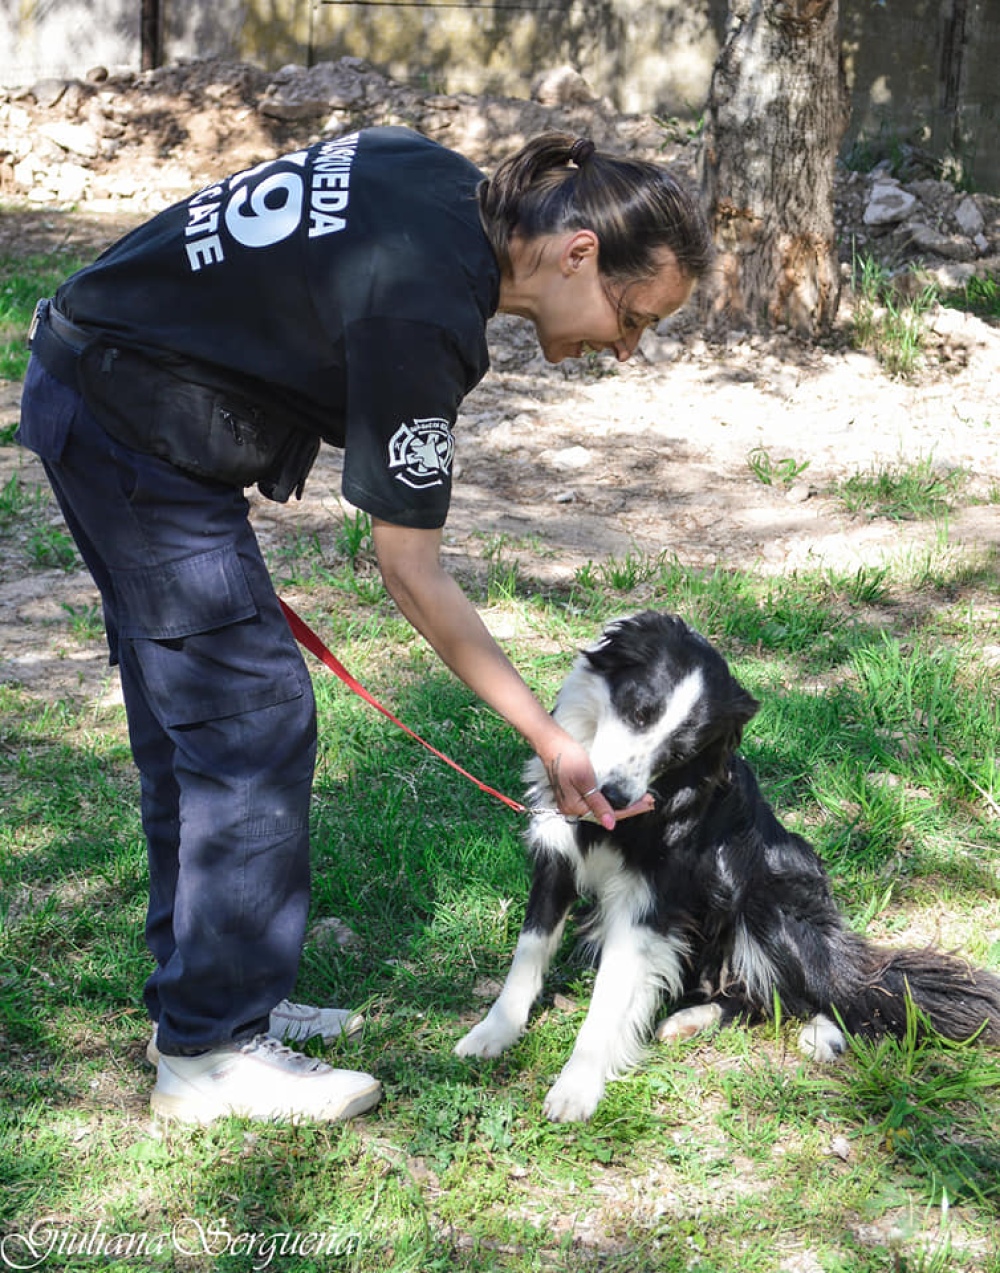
pixel 581 150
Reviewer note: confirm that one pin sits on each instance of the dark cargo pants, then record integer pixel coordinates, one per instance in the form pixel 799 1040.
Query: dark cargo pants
pixel 221 718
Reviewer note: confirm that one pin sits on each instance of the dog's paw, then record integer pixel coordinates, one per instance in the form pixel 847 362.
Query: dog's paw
pixel 688 1022
pixel 574 1096
pixel 821 1040
pixel 487 1039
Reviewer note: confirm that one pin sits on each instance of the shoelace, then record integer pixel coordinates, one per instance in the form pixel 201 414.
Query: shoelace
pixel 297 1011
pixel 287 1056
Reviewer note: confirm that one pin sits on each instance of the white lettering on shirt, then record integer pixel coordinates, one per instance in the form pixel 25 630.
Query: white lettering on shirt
pixel 266 204
pixel 268 213
pixel 330 187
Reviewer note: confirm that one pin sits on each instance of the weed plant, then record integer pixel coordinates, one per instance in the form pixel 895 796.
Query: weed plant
pixel 980 295
pixel 889 320
pixel 909 490
pixel 770 471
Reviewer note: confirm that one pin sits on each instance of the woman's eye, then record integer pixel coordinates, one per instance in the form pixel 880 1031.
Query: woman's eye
pixel 632 322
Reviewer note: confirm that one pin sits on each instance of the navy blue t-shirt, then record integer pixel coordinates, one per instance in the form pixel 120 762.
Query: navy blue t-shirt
pixel 352 276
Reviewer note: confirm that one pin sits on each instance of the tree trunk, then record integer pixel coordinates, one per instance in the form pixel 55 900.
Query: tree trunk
pixel 150 35
pixel 776 114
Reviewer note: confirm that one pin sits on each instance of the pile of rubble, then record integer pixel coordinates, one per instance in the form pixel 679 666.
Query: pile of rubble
pixel 952 233
pixel 148 138
pixel 138 142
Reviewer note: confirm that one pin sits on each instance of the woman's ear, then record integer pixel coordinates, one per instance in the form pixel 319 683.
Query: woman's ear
pixel 580 248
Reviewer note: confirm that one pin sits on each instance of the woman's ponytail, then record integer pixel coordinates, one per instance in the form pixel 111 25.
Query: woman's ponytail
pixel 559 182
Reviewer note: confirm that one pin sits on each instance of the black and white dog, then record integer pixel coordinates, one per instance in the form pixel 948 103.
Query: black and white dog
pixel 707 901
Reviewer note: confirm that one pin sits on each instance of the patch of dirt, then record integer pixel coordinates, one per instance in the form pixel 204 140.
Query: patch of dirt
pixel 561 466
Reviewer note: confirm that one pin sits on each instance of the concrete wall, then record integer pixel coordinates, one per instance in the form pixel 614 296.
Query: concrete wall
pixel 921 71
pixel 61 38
pixel 926 72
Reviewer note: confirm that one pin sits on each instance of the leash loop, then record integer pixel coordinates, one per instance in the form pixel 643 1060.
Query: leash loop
pixel 310 641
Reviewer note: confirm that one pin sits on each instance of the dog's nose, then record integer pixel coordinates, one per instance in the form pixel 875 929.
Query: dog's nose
pixel 616 795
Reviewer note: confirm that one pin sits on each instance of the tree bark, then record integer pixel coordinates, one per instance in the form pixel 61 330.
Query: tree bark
pixel 777 110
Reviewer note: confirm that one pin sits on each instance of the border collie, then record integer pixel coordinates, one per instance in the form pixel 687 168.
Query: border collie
pixel 707 901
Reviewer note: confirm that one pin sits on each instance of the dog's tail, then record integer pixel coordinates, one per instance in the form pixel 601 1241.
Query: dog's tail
pixel 957 1000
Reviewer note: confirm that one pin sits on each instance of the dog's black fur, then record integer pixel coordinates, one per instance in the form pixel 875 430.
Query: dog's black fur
pixel 708 899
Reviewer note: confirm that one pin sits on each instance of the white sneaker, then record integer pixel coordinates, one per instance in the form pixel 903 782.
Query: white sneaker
pixel 296 1023
pixel 261 1079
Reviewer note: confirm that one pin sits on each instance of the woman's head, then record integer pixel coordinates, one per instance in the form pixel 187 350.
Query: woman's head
pixel 645 228
pixel 558 182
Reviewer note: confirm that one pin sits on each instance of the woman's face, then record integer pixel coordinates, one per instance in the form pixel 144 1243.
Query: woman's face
pixel 577 310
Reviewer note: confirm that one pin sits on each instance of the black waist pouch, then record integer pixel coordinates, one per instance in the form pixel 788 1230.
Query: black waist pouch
pixel 208 430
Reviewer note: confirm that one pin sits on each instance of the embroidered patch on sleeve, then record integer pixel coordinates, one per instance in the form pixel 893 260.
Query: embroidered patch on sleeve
pixel 420 452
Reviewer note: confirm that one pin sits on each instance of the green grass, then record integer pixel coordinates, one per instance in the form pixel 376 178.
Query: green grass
pixel 878 737
pixel 769 471
pixel 23 280
pixel 889 320
pixel 714 1155
pixel 909 490
pixel 980 295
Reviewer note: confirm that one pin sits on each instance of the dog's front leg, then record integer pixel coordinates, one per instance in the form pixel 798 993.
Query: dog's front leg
pixel 552 893
pixel 636 965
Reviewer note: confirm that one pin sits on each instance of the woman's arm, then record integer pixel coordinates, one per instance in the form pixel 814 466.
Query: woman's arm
pixel 437 607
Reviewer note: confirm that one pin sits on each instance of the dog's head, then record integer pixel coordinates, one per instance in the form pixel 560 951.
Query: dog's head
pixel 651 695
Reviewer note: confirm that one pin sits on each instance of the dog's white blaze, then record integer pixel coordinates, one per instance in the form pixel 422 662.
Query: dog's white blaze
pixel 619 753
pixel 627 756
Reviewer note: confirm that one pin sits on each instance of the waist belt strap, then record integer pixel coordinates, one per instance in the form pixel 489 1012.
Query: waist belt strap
pixel 56 342
pixel 68 332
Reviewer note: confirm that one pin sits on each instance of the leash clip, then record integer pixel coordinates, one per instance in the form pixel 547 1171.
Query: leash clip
pixel 41 310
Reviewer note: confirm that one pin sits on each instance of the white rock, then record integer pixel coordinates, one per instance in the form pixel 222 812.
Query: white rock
pixel 888 204
pixel 47 92
pixel 78 139
pixel 659 349
pixel 952 275
pixel 70 182
pixel 15 118
pixel 571 457
pixel 953 246
pixel 968 217
pixel 25 172
pixel 562 86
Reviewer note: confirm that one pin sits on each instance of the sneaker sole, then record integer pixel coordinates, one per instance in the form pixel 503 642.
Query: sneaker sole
pixel 183 1109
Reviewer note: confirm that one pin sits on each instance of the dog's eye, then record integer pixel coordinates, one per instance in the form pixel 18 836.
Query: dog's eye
pixel 643 715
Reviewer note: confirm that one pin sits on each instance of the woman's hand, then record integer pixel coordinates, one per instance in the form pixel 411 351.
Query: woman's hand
pixel 574 784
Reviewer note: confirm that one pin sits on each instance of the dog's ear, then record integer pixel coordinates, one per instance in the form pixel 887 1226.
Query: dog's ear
pixel 741 708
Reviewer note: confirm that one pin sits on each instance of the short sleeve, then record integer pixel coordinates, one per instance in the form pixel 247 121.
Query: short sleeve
pixel 405 381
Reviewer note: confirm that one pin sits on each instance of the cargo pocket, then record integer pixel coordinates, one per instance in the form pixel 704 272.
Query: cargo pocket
pixel 206 647
pixel 48 408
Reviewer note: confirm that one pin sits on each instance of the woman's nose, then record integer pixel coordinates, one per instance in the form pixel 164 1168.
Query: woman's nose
pixel 625 345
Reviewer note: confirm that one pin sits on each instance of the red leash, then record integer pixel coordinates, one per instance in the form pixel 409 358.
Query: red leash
pixel 307 638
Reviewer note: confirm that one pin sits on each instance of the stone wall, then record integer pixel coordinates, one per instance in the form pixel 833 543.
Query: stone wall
pixel 922 72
